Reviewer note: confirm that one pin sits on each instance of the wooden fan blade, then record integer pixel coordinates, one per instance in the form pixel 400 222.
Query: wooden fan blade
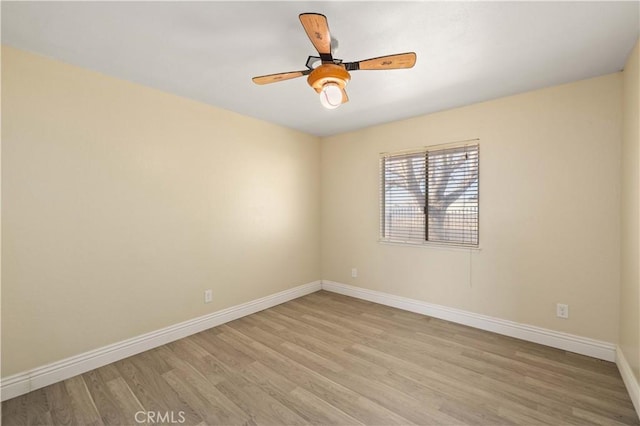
pixel 317 28
pixel 273 78
pixel 390 62
pixel 345 98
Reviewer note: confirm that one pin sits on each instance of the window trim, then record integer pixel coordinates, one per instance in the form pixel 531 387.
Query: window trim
pixel 430 245
pixel 382 198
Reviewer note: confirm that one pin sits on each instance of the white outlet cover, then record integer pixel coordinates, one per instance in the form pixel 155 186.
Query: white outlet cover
pixel 354 272
pixel 562 310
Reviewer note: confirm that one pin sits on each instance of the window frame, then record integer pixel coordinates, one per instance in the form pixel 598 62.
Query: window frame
pixel 424 242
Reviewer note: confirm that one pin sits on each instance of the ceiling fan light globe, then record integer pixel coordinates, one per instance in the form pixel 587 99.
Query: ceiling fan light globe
pixel 331 96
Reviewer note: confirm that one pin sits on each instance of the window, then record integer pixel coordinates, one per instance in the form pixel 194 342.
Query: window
pixel 431 195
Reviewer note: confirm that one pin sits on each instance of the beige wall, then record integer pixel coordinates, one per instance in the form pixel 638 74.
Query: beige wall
pixel 630 271
pixel 549 218
pixel 122 204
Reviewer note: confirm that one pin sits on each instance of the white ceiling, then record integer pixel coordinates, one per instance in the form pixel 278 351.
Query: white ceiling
pixel 467 51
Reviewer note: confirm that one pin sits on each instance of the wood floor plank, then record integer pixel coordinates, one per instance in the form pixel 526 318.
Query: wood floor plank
pixel 190 353
pixel 293 318
pixel 461 391
pixel 317 345
pixel 38 408
pixel 302 402
pixel 356 379
pixel 60 406
pixel 495 364
pixel 187 377
pixel 319 411
pixel 152 390
pixel 328 359
pixel 108 372
pixel 104 400
pixel 460 368
pixel 343 398
pixel 14 411
pixel 259 405
pixel 125 400
pixel 367 369
pixel 618 412
pixel 376 392
pixel 231 363
pixel 177 379
pixel 83 406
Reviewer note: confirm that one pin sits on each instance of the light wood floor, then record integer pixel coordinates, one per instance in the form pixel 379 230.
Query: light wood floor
pixel 333 360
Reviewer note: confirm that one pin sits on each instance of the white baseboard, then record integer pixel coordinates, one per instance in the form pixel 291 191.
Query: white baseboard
pixel 21 383
pixel 568 342
pixel 630 380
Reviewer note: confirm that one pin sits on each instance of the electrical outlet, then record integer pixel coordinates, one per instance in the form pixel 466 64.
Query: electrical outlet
pixel 208 296
pixel 562 310
pixel 354 272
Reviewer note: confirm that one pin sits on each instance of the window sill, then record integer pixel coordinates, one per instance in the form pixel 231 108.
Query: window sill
pixel 431 245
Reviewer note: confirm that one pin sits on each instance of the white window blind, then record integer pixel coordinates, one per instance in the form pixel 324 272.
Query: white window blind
pixel 431 195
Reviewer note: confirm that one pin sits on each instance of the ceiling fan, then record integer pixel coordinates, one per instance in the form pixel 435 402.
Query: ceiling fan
pixel 329 76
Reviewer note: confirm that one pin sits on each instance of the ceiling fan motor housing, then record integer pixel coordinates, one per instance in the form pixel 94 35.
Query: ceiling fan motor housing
pixel 328 73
